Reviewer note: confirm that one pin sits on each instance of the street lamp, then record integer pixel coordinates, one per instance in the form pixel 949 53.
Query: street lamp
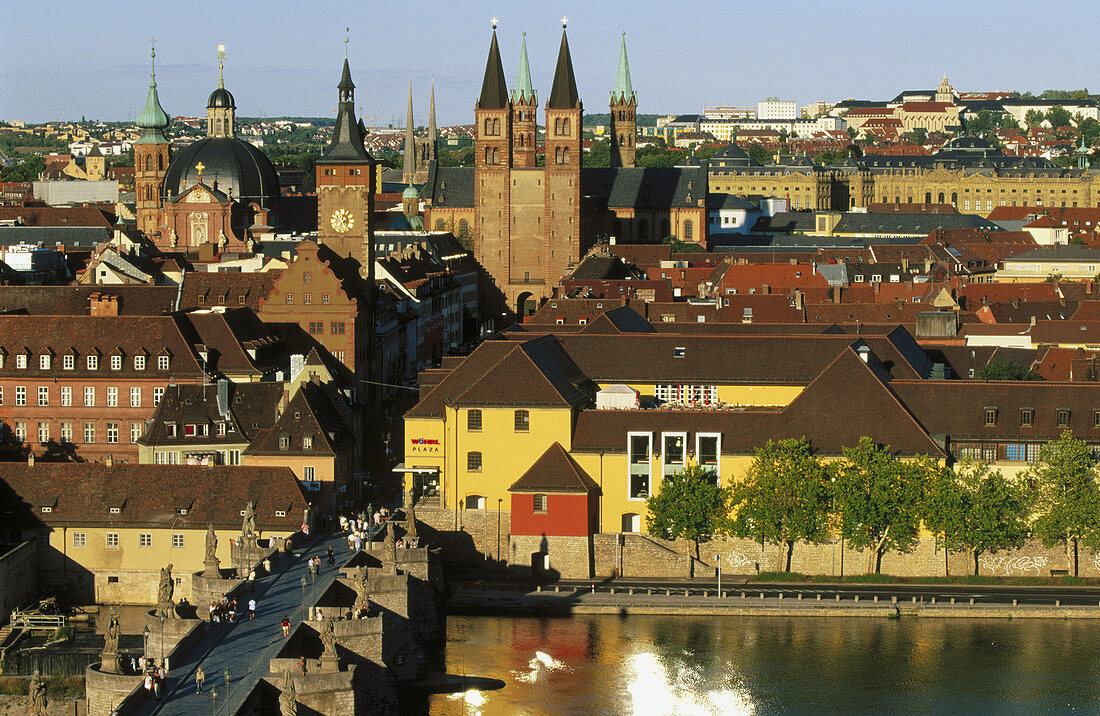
pixel 228 676
pixel 303 590
pixel 716 557
pixel 499 500
pixel 163 659
pixel 145 643
pixel 214 696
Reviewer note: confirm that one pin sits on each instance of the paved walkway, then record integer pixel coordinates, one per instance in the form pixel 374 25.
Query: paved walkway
pixel 247 647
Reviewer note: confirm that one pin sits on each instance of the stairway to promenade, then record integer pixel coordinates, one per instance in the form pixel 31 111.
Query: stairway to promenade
pixel 247 647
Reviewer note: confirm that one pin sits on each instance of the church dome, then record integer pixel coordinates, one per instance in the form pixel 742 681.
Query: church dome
pixel 240 169
pixel 410 193
pixel 220 98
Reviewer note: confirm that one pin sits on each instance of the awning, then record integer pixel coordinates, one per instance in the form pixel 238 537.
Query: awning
pixel 400 467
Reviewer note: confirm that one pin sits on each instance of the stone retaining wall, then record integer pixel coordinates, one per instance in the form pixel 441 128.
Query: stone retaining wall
pixel 103 691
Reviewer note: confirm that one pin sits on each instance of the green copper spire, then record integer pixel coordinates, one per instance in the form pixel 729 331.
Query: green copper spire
pixel 153 119
pixel 524 92
pixel 623 91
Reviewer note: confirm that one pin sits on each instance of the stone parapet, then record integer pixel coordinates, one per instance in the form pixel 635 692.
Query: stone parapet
pixel 104 691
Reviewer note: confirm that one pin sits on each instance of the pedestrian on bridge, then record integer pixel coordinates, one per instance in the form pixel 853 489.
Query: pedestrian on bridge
pixel 252 608
pixel 286 627
pixel 200 679
pixel 331 557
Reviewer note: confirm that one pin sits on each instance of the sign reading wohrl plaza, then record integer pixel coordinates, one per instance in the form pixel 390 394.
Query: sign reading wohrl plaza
pixel 424 445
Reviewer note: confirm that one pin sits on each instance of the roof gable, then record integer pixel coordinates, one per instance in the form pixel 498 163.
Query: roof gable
pixel 555 471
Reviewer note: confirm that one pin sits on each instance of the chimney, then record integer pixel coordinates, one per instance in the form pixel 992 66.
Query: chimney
pixel 765 289
pixel 864 353
pixel 905 264
pixel 836 294
pixel 110 461
pixel 30 459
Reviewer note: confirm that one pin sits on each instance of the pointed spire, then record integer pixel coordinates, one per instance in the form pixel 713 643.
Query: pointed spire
pixel 623 91
pixel 410 142
pixel 563 94
pixel 345 77
pixel 152 118
pixel 494 89
pixel 524 90
pixel 347 136
pixel 432 131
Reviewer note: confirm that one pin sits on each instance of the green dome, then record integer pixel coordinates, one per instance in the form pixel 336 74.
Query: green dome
pixel 153 118
pixel 410 193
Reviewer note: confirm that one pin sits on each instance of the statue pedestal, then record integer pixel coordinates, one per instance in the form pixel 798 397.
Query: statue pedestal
pixel 109 662
pixel 329 664
pixel 212 569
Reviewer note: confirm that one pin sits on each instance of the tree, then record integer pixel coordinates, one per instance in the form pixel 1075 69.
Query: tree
pixel 1004 369
pixel 689 505
pixel 599 155
pixel 918 136
pixel 1033 118
pixel 1067 497
pixel 759 154
pixel 879 498
pixel 458 158
pixel 784 498
pixel 1059 116
pixel 976 509
pixel 29 169
pixel 677 246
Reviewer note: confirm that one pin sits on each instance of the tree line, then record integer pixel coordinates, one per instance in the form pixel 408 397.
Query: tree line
pixel 878 502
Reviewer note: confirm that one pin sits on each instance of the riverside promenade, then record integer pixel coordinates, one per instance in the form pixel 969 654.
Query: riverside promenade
pixel 247 647
pixel 690 597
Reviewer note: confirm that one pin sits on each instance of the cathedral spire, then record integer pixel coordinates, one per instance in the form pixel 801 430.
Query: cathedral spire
pixel 152 118
pixel 494 89
pixel 347 138
pixel 409 162
pixel 433 133
pixel 563 94
pixel 623 90
pixel 524 91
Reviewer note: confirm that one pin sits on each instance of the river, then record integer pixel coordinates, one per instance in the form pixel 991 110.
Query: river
pixel 772 665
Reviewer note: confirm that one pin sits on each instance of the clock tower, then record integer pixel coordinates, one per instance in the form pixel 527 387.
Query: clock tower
pixel 345 186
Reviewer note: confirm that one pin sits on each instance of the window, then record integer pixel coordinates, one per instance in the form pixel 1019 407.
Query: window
pixel 337 328
pixel 116 362
pixel 145 539
pixel 324 299
pixel 679 352
pixel 177 540
pixel 1063 418
pixel 1096 418
pixel 112 539
pixel 112 433
pixel 1016 452
pixel 290 299
pixel 522 421
pixel 66 395
pixel 162 362
pixel 307 299
pixel 112 397
pixel 20 431
pixel 44 361
pixel 66 432
pixel 170 429
pixel 43 395
pixel 89 433
pixel 89 397
pixel 93 362
pixel 707 451
pixel 220 428
pixel 20 395
pixel 539 503
pixel 473 461
pixel 135 397
pixel 135 432
pixel 1027 417
pixel 43 432
pixel 139 362
pixel 307 473
pixel 316 328
pixel 21 361
pixel 638 450
pixel 672 452
pixel 158 393
pixel 307 277
pixel 68 362
pixel 80 539
pixel 990 417
pixel 473 420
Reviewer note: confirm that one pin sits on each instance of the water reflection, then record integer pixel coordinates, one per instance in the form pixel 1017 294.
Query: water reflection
pixel 739 665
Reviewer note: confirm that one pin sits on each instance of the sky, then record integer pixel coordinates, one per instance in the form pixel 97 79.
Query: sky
pixel 67 60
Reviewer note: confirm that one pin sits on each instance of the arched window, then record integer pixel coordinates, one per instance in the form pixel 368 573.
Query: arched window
pixel 496 156
pixel 941 197
pixel 621 138
pixel 439 225
pixel 496 126
pixel 954 197
pixel 565 155
pixel 687 230
pixel 488 155
pixel 565 126
pixel 557 126
pixel 557 155
pixel 488 126
pixel 463 225
pixel 927 197
pixel 149 162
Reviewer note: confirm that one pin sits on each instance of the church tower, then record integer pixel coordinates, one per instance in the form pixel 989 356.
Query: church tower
pixel 345 186
pixel 524 113
pixel 562 193
pixel 945 93
pixel 492 162
pixel 150 158
pixel 221 110
pixel 624 106
pixel 409 161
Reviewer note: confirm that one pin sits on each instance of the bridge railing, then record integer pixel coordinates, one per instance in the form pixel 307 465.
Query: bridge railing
pixel 31 620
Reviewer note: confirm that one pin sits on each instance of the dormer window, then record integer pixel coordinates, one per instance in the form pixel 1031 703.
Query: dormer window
pixel 170 429
pixel 115 510
pixel 93 362
pixel 44 361
pixel 116 362
pixel 162 362
pixel 284 442
pixel 68 361
pixel 139 362
pixel 991 417
pixel 21 361
pixel 307 442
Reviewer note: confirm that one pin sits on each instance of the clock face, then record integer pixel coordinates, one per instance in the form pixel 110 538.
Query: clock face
pixel 342 221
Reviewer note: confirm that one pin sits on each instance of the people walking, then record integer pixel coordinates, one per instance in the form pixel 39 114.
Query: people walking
pixel 148 683
pixel 331 557
pixel 200 679
pixel 286 627
pixel 252 608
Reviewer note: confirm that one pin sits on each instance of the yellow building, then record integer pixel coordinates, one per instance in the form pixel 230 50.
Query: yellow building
pixel 106 530
pixel 1070 263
